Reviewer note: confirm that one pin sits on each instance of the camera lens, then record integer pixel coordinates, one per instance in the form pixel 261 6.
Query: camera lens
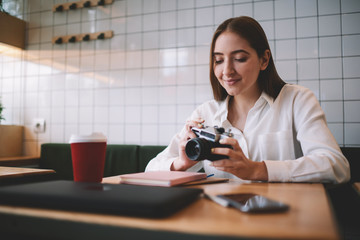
pixel 198 149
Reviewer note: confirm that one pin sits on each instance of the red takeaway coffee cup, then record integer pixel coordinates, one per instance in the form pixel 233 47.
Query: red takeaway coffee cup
pixel 88 157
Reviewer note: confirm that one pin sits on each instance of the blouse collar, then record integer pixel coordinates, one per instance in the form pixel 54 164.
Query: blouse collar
pixel 222 113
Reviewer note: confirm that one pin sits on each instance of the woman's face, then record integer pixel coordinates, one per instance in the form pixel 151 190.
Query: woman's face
pixel 237 65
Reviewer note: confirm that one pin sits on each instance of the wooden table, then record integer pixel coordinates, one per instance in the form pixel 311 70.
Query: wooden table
pixel 15 172
pixel 19 161
pixel 17 175
pixel 309 217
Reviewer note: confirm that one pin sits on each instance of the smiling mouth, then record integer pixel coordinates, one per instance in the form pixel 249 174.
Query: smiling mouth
pixel 231 82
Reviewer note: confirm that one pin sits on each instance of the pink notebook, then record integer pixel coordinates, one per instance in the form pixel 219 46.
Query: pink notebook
pixel 161 178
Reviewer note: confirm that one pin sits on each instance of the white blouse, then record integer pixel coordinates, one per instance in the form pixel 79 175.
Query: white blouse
pixel 289 134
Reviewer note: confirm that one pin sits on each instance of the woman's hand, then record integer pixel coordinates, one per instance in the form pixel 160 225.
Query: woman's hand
pixel 238 164
pixel 182 163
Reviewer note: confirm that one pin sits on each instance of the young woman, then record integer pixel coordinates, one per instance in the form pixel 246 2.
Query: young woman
pixel 280 131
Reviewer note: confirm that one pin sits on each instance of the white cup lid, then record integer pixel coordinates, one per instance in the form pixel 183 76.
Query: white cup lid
pixel 94 137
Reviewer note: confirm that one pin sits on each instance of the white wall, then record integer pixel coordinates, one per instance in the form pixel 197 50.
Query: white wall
pixel 140 86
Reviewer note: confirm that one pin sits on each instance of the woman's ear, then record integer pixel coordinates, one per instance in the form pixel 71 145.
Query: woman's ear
pixel 264 60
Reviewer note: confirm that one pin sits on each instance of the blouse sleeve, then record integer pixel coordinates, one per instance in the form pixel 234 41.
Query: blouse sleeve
pixel 322 159
pixel 163 161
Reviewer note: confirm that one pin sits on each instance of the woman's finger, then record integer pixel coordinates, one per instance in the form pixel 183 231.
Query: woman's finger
pixel 223 164
pixel 232 142
pixel 195 123
pixel 191 135
pixel 221 151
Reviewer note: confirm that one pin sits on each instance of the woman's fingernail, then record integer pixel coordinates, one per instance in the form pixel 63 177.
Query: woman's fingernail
pixel 212 150
pixel 221 141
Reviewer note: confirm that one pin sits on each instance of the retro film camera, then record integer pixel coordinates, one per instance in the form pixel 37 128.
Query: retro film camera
pixel 199 148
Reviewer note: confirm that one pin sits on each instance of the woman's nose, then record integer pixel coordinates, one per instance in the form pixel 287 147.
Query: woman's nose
pixel 228 69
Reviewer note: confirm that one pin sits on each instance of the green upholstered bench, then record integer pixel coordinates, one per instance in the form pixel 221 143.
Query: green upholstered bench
pixel 353 156
pixel 345 200
pixel 120 159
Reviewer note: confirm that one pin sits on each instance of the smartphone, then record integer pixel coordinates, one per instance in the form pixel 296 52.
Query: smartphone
pixel 253 203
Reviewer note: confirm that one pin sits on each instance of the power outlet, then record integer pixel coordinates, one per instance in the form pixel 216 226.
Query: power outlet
pixel 39 125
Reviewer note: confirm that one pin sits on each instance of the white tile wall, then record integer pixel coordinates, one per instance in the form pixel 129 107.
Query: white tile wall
pixel 307 27
pixel 351 67
pixel 331 46
pixel 285 49
pixel 285 28
pixel 263 10
pixel 243 9
pixel 305 8
pixel 308 69
pixel 330 68
pixel 140 86
pixel 351 87
pixel 333 111
pixel 329 25
pixel 331 89
pixel 347 27
pixel 284 9
pixel 307 48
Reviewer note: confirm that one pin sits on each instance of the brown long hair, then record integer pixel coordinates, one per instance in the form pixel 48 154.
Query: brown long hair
pixel 248 28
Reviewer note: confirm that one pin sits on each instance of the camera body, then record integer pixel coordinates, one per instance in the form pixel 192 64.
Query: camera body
pixel 199 148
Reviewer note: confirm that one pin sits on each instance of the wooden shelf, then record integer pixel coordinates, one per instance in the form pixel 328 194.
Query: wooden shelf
pixel 82 37
pixel 80 4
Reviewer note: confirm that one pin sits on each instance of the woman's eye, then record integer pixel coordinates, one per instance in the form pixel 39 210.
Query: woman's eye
pixel 241 59
pixel 218 61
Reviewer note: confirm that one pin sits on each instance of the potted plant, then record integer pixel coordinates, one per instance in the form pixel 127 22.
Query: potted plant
pixel 11 138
